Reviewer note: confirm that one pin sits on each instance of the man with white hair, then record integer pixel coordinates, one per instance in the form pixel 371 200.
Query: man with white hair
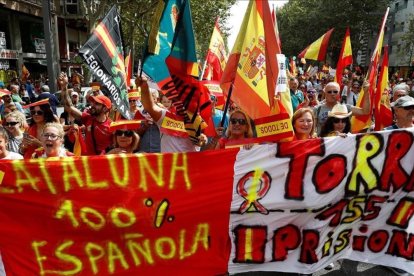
pixel 14 89
pixel 400 90
pixel 403 109
pixel 332 97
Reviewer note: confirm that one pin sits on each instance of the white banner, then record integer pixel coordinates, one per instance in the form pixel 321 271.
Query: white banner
pixel 299 206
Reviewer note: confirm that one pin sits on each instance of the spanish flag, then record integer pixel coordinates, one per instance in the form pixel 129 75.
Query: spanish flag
pixel 382 112
pixel 345 57
pixel 252 67
pixel 216 58
pixel 25 73
pixel 359 123
pixel 317 50
pixel 128 69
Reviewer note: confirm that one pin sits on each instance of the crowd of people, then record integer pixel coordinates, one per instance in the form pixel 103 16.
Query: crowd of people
pixel 31 127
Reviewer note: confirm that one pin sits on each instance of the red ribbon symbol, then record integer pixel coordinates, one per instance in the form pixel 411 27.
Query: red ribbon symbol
pixel 259 180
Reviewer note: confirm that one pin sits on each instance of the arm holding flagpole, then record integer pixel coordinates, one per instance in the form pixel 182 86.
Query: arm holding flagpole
pixel 366 105
pixel 147 101
pixel 67 101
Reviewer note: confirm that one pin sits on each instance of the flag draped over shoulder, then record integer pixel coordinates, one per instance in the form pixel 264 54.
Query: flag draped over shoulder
pixel 252 68
pixel 345 57
pixel 171 61
pixel 216 58
pixel 359 123
pixel 104 55
pixel 382 111
pixel 317 50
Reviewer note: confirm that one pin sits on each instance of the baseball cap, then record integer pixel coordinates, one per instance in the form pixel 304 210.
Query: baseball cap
pixel 102 100
pixel 403 102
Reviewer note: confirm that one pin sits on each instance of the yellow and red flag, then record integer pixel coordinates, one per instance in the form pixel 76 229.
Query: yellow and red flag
pixel 128 69
pixel 292 68
pixel 382 112
pixel 345 57
pixel 25 73
pixel 252 67
pixel 216 58
pixel 317 50
pixel 279 42
pixel 359 123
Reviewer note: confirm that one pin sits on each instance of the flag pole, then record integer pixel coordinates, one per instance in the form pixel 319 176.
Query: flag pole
pixel 226 107
pixel 204 68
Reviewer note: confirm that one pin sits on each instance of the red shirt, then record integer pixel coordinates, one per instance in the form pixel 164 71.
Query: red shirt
pixel 97 137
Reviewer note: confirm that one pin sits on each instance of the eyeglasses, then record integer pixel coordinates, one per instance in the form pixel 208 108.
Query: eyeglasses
pixel 337 120
pixel 411 107
pixel 11 123
pixel 332 92
pixel 126 133
pixel 240 121
pixel 50 136
pixel 37 112
pixel 132 101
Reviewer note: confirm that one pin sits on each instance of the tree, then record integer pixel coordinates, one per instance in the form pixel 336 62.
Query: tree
pixel 301 22
pixel 407 46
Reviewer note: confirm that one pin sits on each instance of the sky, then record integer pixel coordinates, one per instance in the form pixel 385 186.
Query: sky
pixel 237 14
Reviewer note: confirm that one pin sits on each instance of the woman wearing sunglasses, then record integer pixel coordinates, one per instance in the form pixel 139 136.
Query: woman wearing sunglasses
pixel 52 142
pixel 239 128
pixel 15 124
pixel 125 139
pixel 338 122
pixel 41 114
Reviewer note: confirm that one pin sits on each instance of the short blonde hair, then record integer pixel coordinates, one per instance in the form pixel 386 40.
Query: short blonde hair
pixel 58 126
pixel 19 118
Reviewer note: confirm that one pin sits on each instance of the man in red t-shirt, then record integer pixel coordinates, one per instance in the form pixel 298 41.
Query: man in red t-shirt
pixel 95 119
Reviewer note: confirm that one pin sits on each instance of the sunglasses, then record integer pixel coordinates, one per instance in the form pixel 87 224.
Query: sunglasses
pixel 126 133
pixel 332 92
pixel 411 107
pixel 240 121
pixel 37 112
pixel 11 123
pixel 50 136
pixel 337 120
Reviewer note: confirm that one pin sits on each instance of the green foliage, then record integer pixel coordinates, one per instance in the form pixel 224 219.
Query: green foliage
pixel 407 46
pixel 301 22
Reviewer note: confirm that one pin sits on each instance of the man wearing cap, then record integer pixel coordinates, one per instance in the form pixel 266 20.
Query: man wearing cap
pixel 96 119
pixel 174 137
pixel 331 91
pixel 45 94
pixel 403 109
pixel 7 99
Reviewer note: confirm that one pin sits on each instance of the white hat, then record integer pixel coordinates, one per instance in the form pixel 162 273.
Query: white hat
pixel 403 102
pixel 339 111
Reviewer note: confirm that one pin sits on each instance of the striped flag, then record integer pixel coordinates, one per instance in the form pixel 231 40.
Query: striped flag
pixel 345 57
pixel 359 123
pixel 382 111
pixel 317 50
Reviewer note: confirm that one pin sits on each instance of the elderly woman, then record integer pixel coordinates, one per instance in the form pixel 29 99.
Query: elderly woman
pixel 303 123
pixel 15 124
pixel 338 122
pixel 52 142
pixel 239 128
pixel 41 114
pixel 125 139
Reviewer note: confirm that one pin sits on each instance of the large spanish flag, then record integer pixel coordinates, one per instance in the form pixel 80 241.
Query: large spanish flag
pixel 317 50
pixel 359 123
pixel 345 57
pixel 252 67
pixel 382 111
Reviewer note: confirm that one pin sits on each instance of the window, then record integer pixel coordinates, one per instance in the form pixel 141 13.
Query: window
pixel 72 6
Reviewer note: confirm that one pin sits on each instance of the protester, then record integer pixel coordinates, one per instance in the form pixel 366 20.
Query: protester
pixel 96 119
pixel 52 142
pixel 403 109
pixel 331 92
pixel 7 100
pixel 14 90
pixel 173 139
pixel 400 90
pixel 15 124
pixel 239 128
pixel 303 123
pixel 338 122
pixel 41 114
pixel 296 95
pixel 45 94
pixel 125 139
pixel 311 99
pixel 4 152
